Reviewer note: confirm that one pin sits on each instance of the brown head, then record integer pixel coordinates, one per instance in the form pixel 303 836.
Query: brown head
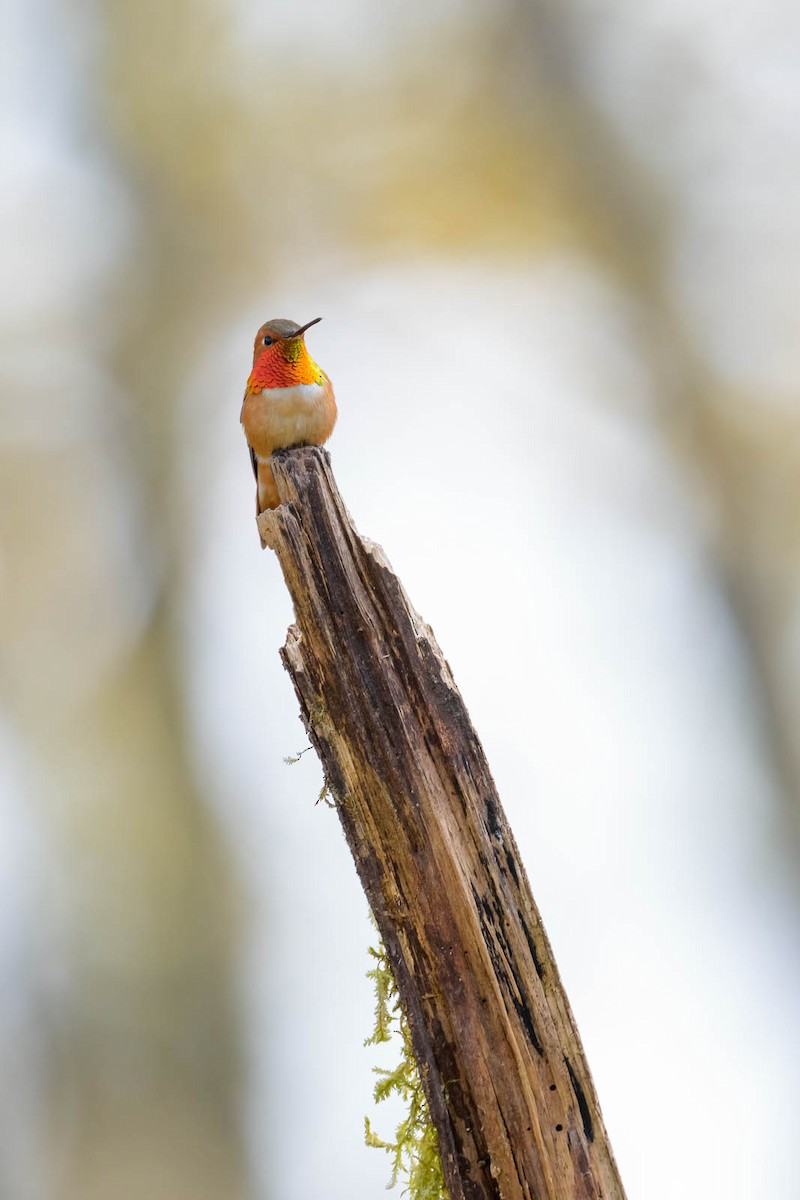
pixel 281 333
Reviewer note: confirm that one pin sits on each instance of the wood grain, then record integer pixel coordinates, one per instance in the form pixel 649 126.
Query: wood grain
pixel 500 1056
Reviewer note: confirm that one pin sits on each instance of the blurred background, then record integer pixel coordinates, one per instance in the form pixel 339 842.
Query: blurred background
pixel 557 249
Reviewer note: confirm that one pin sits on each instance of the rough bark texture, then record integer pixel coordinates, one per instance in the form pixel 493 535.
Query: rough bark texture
pixel 508 1085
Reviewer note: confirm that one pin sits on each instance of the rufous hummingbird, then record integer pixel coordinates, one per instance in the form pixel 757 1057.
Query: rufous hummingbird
pixel 288 402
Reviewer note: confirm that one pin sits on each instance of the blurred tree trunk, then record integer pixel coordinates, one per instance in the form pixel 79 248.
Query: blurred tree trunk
pixel 742 447
pixel 150 1085
pixel 144 1095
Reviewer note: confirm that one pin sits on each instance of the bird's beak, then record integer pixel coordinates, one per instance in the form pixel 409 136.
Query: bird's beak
pixel 303 328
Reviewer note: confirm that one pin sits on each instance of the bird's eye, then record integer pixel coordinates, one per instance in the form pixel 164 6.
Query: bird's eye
pixel 267 341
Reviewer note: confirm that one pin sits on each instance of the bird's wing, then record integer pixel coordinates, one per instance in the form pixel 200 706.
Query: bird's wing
pixel 253 462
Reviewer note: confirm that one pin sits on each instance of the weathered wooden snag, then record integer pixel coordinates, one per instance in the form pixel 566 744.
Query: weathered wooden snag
pixel 507 1082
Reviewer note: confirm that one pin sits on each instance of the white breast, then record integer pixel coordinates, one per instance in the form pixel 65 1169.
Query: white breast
pixel 293 413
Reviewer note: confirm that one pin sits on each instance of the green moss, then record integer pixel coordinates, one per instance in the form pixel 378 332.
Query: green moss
pixel 291 759
pixel 415 1149
pixel 325 793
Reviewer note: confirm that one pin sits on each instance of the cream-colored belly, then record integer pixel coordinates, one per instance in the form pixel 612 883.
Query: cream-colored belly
pixel 278 418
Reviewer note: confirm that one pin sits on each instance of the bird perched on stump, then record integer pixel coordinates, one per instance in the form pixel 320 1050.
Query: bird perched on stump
pixel 288 402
